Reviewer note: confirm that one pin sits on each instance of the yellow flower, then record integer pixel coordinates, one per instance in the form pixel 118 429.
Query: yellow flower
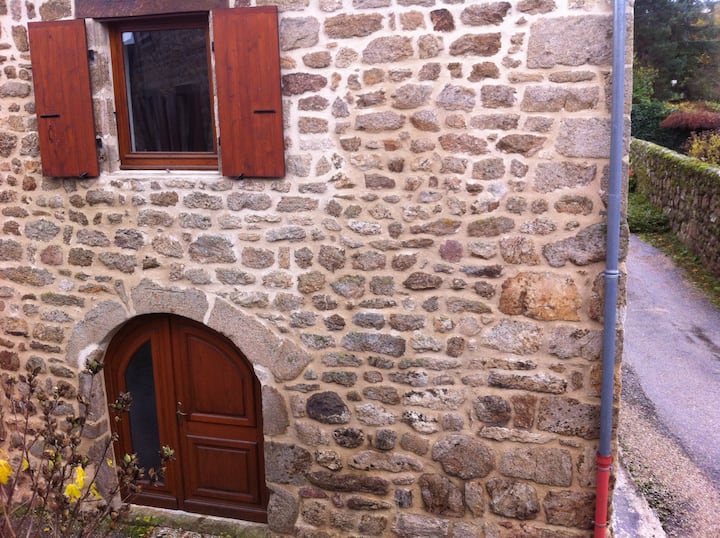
pixel 25 464
pixel 5 472
pixel 79 477
pixel 94 491
pixel 110 463
pixel 72 492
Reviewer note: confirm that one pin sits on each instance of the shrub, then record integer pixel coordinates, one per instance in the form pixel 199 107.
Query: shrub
pixel 693 120
pixel 48 483
pixel 645 123
pixel 705 146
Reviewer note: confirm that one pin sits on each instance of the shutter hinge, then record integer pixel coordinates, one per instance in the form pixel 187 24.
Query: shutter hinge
pixel 212 46
pixel 91 55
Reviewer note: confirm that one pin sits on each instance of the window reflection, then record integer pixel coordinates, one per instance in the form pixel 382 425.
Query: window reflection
pixel 166 73
pixel 140 383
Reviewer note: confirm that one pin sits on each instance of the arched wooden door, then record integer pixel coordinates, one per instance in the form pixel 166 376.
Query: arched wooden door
pixel 195 392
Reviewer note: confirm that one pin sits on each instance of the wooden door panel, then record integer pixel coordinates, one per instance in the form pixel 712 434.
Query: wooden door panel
pixel 223 478
pixel 218 387
pixel 131 340
pixel 217 433
pixel 223 469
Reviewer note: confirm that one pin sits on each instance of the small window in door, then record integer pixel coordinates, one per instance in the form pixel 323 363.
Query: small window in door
pixel 163 93
pixel 140 383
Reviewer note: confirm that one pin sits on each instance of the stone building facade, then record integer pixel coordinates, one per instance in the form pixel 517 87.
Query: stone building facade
pixel 420 296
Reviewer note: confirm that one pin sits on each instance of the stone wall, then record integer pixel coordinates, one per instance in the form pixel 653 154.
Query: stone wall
pixel 421 295
pixel 688 191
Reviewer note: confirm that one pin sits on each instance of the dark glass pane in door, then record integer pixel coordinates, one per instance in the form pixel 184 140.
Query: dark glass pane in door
pixel 168 90
pixel 140 383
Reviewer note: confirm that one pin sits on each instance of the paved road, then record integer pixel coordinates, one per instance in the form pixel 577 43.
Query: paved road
pixel 672 342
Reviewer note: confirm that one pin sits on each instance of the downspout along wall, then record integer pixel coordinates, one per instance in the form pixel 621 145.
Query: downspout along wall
pixel 619 144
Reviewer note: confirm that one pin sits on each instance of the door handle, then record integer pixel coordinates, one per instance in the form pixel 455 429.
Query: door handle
pixel 179 413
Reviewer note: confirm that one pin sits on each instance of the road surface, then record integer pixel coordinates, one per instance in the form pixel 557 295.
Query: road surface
pixel 670 419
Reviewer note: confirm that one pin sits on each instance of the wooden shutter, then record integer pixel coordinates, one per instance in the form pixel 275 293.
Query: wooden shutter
pixel 63 100
pixel 247 70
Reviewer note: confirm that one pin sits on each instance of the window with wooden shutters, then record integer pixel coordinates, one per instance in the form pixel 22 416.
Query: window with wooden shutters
pixel 63 100
pixel 164 93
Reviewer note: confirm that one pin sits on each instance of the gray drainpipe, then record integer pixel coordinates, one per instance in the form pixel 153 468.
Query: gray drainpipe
pixel 611 274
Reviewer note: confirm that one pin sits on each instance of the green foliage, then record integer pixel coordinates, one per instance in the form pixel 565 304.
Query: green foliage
pixel 644 217
pixel 139 526
pixel 646 118
pixel 672 125
pixel 705 146
pixel 679 39
pixel 645 124
pixel 643 82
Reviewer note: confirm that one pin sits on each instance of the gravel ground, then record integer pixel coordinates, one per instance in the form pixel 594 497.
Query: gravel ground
pixel 684 498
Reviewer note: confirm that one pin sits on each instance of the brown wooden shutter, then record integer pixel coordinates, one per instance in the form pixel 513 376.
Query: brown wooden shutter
pixel 63 100
pixel 247 70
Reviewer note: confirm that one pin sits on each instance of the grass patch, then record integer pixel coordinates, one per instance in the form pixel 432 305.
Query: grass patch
pixel 644 217
pixel 653 227
pixel 137 527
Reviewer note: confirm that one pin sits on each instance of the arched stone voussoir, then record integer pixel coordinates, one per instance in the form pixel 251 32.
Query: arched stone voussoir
pixel 94 330
pixel 286 360
pixel 150 298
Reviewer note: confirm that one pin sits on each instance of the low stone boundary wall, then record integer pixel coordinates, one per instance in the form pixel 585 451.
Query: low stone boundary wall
pixel 688 191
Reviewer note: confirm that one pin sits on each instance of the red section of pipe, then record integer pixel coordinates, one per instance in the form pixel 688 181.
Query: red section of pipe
pixel 604 465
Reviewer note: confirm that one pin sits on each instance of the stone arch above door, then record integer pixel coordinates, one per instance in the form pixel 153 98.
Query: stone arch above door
pixel 270 354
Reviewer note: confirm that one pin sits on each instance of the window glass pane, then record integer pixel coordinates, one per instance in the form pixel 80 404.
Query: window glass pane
pixel 140 383
pixel 168 89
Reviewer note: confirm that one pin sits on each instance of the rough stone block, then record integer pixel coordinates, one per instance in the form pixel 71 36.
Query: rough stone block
pixel 568 416
pixel 571 41
pixel 551 466
pixel 512 498
pixel 584 137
